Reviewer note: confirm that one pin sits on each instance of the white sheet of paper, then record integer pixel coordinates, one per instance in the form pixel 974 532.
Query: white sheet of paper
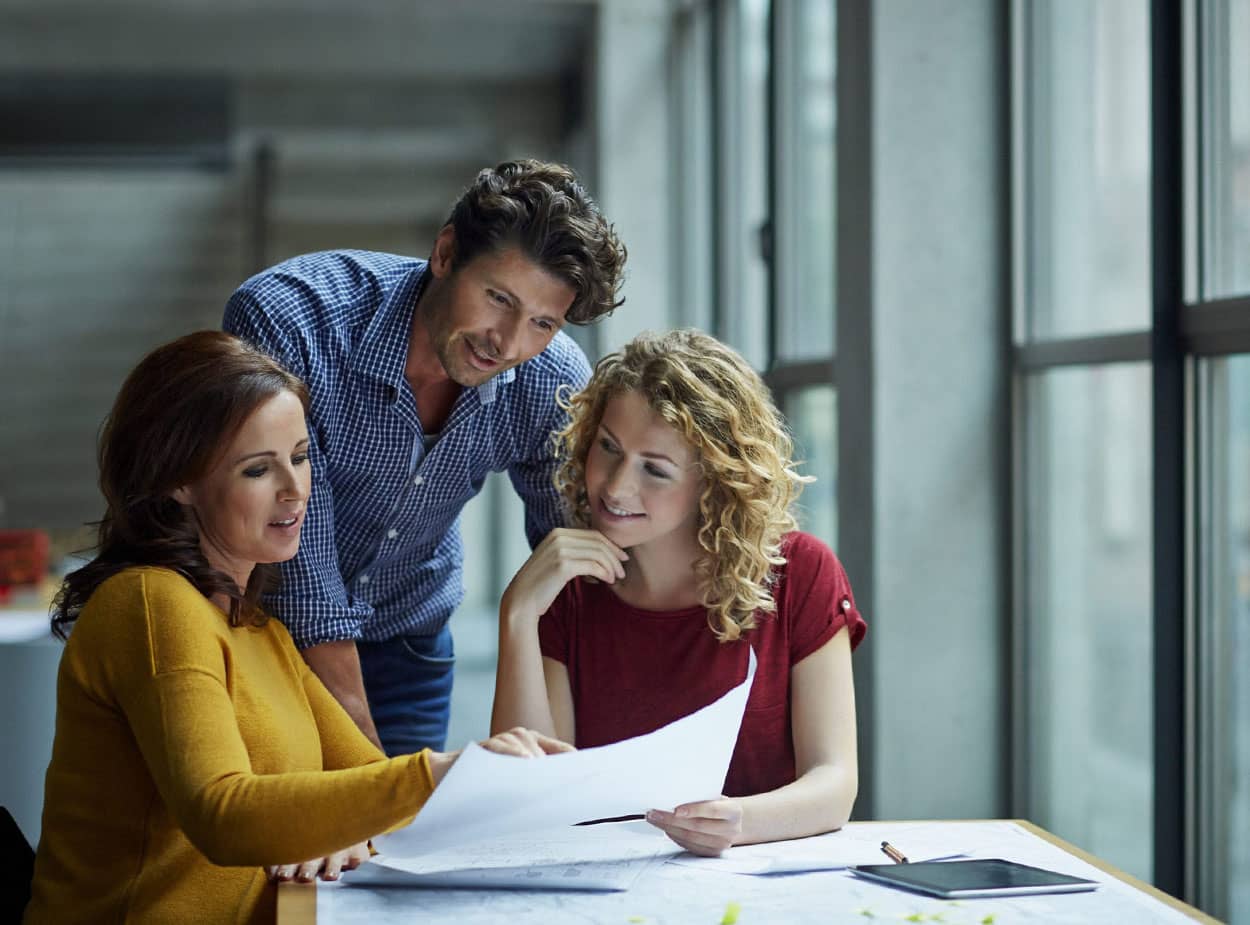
pixel 609 856
pixel 487 796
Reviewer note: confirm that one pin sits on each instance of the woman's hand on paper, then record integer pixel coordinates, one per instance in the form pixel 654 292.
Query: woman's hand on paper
pixel 525 743
pixel 706 828
pixel 562 556
pixel 328 868
pixel 518 742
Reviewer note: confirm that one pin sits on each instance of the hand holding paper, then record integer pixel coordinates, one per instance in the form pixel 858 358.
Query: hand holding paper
pixel 705 828
pixel 488 796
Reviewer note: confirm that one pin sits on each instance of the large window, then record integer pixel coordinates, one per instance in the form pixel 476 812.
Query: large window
pixel 1085 756
pixel 1133 481
pixel 801 245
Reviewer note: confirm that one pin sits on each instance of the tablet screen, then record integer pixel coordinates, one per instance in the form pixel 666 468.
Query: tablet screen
pixel 992 877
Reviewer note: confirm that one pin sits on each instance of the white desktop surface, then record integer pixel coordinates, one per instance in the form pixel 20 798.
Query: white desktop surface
pixel 676 893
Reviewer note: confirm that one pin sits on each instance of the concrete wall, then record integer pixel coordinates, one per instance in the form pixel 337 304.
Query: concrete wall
pixel 922 286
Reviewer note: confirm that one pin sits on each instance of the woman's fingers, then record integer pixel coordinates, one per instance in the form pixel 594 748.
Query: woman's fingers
pixel 549 745
pixel 706 828
pixel 695 839
pixel 333 865
pixel 328 868
pixel 525 743
pixel 581 546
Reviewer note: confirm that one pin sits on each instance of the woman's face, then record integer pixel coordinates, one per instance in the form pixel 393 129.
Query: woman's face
pixel 642 478
pixel 250 506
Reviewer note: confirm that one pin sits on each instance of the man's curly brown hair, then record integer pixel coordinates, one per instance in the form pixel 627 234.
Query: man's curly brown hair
pixel 711 396
pixel 541 209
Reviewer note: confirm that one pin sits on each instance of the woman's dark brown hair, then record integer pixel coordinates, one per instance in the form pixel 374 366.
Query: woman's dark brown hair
pixel 176 414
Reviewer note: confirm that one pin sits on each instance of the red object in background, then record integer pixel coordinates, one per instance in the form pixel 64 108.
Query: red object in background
pixel 23 557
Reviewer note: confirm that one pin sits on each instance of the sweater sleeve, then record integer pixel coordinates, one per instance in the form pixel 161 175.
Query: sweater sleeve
pixel 183 719
pixel 343 745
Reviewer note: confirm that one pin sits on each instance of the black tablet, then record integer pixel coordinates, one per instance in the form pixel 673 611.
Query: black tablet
pixel 962 879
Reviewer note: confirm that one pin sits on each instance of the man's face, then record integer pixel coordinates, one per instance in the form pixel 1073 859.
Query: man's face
pixel 498 310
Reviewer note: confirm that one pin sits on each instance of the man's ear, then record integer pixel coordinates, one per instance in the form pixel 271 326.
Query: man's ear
pixel 181 495
pixel 444 252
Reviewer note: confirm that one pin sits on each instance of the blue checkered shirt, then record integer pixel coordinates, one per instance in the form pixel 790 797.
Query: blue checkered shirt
pixel 380 555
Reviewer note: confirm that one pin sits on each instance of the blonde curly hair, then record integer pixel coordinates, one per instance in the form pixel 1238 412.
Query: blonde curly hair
pixel 710 395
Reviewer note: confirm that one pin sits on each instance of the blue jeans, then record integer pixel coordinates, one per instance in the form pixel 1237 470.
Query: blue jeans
pixel 408 683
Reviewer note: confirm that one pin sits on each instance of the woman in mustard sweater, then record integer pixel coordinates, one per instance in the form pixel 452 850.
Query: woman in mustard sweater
pixel 197 758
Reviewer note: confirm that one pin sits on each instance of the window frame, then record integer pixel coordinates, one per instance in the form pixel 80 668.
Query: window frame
pixel 1187 329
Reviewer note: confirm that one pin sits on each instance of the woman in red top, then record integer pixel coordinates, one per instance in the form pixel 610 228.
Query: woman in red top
pixel 677 469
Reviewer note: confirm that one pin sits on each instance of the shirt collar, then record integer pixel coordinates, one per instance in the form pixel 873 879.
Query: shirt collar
pixel 383 351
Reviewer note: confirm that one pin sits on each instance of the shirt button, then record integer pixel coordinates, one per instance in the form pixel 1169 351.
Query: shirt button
pixel 846 605
pixel 392 533
pixel 417 480
pixel 364 579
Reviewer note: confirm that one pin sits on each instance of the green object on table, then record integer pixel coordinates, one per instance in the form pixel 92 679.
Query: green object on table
pixel 731 914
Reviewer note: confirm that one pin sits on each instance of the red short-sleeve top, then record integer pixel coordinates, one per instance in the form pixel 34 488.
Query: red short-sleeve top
pixel 633 671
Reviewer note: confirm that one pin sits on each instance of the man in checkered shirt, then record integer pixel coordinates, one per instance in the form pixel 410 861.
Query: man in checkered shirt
pixel 425 377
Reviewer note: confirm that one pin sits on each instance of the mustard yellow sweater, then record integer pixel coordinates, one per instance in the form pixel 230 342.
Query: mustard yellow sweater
pixel 188 754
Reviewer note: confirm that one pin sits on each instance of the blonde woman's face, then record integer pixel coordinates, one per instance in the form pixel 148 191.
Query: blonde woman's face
pixel 642 478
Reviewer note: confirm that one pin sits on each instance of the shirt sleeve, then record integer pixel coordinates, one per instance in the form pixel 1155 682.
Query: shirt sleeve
pixel 186 728
pixel 817 598
pixel 312 600
pixel 532 476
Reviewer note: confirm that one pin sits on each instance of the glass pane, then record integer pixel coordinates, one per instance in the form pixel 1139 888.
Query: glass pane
pixel 1226 47
pixel 1088 623
pixel 813 417
pixel 806 162
pixel 1088 174
pixel 744 193
pixel 1225 685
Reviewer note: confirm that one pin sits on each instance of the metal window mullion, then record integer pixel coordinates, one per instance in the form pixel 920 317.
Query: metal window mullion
pixel 1168 441
pixel 1130 347
pixel 794 376
pixel 1217 327
pixel 856 406
pixel 1020 777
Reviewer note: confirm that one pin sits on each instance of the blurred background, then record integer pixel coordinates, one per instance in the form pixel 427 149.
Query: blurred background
pixel 992 255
